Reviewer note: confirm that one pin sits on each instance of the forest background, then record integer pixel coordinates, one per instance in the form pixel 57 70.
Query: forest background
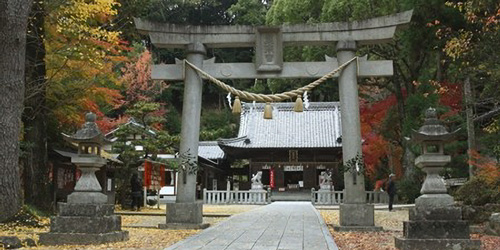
pixel 87 56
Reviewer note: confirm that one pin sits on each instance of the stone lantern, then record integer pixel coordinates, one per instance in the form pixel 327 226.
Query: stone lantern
pixel 435 222
pixel 90 141
pixel 432 136
pixel 85 218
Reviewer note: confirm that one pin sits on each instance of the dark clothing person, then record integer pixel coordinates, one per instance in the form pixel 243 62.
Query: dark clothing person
pixel 391 190
pixel 136 188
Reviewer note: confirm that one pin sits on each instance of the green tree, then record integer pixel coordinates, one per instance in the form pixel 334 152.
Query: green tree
pixel 148 141
pixel 249 12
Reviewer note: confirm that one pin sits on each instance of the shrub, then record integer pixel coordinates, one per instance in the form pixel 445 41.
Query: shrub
pixel 408 189
pixel 478 192
pixel 484 187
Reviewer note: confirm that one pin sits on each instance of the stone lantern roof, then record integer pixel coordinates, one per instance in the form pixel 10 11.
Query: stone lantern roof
pixel 89 132
pixel 433 129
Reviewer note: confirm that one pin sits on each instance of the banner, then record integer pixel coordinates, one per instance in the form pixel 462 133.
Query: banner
pixel 271 178
pixel 162 176
pixel 147 173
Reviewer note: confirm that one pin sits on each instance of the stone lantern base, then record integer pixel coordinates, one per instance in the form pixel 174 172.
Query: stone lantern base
pixel 84 224
pixel 436 228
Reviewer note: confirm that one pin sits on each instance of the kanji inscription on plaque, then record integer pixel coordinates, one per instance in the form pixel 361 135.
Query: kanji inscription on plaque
pixel 269 49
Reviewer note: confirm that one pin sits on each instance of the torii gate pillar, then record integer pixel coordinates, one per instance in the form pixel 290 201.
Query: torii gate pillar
pixel 186 212
pixel 355 213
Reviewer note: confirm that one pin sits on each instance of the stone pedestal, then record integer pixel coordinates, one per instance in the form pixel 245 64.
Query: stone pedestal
pixel 357 217
pixel 87 189
pixel 438 228
pixel 187 215
pixel 435 223
pixel 257 187
pixel 83 224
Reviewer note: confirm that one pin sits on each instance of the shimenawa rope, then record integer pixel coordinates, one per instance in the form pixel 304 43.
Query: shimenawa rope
pixel 270 97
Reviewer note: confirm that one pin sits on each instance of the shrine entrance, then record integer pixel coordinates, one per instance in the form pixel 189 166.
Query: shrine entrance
pixel 268 42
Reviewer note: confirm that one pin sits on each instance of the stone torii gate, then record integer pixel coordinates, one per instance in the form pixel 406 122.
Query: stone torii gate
pixel 355 214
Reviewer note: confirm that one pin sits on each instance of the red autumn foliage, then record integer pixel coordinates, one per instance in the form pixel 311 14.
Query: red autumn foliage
pixel 375 147
pixel 104 123
pixel 137 78
pixel 450 95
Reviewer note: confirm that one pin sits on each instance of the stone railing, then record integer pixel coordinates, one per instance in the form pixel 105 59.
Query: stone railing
pixel 326 197
pixel 377 197
pixel 236 197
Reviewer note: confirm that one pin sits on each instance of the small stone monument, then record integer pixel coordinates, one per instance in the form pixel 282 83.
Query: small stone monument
pixel 86 218
pixel 257 181
pixel 434 223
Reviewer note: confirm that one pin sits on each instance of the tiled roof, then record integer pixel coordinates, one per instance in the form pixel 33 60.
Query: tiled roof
pixel 210 150
pixel 316 127
pixel 131 122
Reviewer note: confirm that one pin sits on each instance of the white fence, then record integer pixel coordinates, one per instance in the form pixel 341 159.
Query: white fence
pixel 325 197
pixel 320 197
pixel 236 197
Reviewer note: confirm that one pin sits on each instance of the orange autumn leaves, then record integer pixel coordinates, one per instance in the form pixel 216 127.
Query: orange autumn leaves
pixel 375 147
pixel 378 150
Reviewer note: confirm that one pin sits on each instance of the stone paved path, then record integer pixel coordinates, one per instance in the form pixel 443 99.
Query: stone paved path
pixel 280 225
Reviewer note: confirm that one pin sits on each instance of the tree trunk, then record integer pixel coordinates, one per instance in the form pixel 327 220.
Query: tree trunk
pixel 469 112
pixel 13 20
pixel 36 185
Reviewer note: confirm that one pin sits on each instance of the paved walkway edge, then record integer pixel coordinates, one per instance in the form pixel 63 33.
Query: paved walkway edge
pixel 326 233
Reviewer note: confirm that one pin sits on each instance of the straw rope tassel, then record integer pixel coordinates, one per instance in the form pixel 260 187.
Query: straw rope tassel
pixel 237 105
pixel 268 111
pixel 299 105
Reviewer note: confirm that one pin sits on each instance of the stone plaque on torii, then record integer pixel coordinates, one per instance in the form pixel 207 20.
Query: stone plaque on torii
pixel 269 42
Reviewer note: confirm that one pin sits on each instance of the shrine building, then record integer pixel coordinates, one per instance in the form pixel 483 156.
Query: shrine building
pixel 291 149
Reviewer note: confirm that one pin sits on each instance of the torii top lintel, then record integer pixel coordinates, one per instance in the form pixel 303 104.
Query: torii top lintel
pixel 369 31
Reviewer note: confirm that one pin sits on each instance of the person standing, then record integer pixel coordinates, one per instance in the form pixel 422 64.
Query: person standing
pixel 391 190
pixel 136 188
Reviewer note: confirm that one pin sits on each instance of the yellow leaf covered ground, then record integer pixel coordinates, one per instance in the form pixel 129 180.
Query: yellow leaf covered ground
pixel 140 238
pixel 151 238
pixel 392 222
